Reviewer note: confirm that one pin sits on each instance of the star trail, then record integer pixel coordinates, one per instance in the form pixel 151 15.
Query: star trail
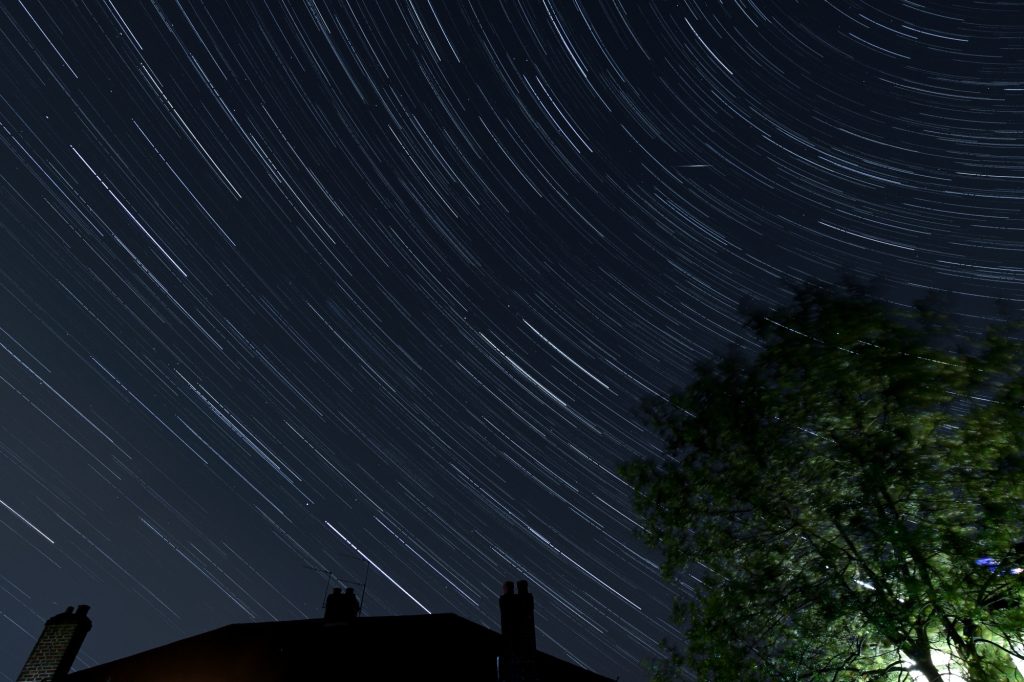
pixel 375 288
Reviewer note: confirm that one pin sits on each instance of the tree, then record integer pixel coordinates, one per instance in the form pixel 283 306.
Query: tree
pixel 848 500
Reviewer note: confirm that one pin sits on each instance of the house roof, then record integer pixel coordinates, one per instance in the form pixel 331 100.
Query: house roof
pixel 390 647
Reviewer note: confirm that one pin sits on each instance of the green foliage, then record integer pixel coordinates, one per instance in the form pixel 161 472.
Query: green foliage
pixel 830 495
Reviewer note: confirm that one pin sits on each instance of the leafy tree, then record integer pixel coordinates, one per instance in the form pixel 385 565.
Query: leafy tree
pixel 848 500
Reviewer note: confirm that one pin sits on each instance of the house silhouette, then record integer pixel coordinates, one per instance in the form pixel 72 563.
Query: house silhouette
pixel 431 646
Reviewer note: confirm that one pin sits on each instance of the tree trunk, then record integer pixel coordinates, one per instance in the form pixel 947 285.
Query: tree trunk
pixel 923 663
pixel 929 670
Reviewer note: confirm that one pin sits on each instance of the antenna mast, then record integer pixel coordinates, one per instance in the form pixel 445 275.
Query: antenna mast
pixel 331 577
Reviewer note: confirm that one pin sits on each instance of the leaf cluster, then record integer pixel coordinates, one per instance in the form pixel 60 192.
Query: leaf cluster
pixel 829 495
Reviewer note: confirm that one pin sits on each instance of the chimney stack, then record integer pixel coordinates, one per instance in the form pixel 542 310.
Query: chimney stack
pixel 55 651
pixel 518 634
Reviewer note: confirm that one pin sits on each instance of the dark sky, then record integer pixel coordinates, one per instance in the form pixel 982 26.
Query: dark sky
pixel 283 283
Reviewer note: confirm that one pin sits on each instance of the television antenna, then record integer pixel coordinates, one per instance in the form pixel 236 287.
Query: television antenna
pixel 343 581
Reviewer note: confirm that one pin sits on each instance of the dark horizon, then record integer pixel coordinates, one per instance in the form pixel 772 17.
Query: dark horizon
pixel 303 285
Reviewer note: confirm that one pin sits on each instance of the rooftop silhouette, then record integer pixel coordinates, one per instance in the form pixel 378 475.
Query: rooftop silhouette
pixel 343 646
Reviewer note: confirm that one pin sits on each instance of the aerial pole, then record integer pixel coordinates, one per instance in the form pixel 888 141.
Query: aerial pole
pixel 327 587
pixel 331 577
pixel 366 576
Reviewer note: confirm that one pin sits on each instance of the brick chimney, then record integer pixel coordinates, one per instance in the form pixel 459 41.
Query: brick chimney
pixel 518 634
pixel 55 651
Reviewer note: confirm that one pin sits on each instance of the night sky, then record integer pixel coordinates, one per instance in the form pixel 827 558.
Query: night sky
pixel 293 284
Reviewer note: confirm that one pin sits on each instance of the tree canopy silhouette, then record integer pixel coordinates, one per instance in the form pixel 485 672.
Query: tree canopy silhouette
pixel 848 500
